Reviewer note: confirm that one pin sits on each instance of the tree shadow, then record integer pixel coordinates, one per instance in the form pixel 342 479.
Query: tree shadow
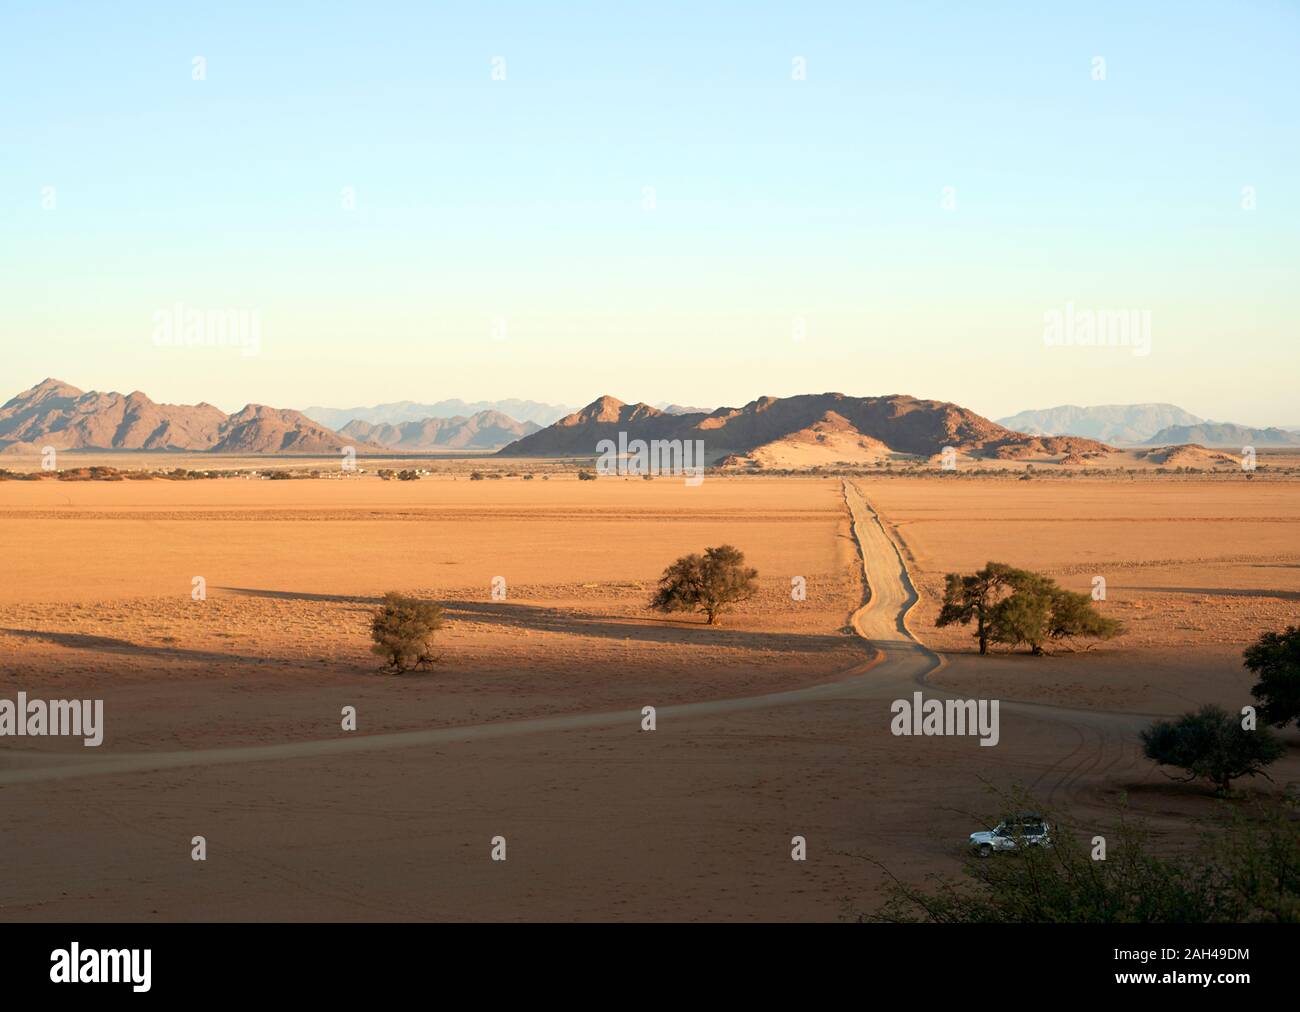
pixel 293 595
pixel 1281 595
pixel 115 645
pixel 536 618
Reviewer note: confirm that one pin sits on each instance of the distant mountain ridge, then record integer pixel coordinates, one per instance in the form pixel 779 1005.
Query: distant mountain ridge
pixel 486 430
pixel 771 429
pixel 54 413
pixel 1129 424
pixel 1223 434
pixel 802 430
pixel 397 412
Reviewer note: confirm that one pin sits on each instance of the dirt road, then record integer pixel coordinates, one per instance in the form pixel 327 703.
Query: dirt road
pixel 901 660
pixel 604 820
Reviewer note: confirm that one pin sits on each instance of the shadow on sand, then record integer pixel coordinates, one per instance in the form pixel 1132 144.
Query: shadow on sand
pixel 1281 595
pixel 555 620
pixel 113 645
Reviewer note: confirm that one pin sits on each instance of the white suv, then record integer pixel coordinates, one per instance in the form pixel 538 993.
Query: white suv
pixel 1012 833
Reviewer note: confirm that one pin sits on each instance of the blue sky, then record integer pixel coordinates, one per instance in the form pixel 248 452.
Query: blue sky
pixel 650 205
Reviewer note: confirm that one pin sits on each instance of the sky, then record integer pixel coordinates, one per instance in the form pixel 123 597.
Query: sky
pixel 349 203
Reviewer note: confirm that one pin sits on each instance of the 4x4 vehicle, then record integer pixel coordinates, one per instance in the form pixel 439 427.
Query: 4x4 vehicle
pixel 1013 832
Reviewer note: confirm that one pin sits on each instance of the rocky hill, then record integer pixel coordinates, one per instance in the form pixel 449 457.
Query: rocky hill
pixel 777 427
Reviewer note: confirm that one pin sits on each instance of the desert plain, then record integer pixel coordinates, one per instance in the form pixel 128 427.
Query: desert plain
pixel 223 709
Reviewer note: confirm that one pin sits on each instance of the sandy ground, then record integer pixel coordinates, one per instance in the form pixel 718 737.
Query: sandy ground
pixel 1194 569
pixel 603 820
pixel 103 574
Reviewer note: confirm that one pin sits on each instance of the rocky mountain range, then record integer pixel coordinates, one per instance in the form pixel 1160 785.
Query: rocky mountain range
pixel 798 431
pixel 54 413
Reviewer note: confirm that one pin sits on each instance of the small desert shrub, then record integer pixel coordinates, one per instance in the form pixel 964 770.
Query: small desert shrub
pixel 586 476
pixel 402 629
pixel 1211 744
pixel 1275 660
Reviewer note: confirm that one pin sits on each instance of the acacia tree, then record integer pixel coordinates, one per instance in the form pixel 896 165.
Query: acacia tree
pixel 1038 610
pixel 1274 659
pixel 402 629
pixel 1015 606
pixel 1073 615
pixel 973 597
pixel 1211 744
pixel 709 583
pixel 1026 616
